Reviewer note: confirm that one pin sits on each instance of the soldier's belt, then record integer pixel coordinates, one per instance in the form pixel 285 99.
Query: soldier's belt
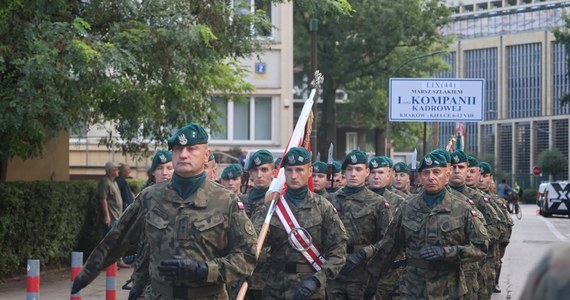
pixel 432 265
pixel 293 268
pixel 353 248
pixel 187 292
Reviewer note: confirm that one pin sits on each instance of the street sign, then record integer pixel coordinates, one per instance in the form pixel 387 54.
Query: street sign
pixel 438 99
pixel 536 171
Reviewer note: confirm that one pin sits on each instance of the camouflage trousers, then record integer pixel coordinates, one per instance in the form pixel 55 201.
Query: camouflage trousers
pixel 341 290
pixel 473 284
pixel 151 294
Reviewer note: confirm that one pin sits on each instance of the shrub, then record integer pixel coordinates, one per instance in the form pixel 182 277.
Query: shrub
pixel 529 196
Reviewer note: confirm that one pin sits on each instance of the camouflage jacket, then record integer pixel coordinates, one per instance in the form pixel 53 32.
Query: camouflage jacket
pixel 365 216
pixel 486 208
pixel 454 225
pixel 320 219
pixel 209 226
pixel 393 198
pixel 403 193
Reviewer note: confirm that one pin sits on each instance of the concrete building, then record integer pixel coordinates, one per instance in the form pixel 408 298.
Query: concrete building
pixel 264 121
pixel 510 44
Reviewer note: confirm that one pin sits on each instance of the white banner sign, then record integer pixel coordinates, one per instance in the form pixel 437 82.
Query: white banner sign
pixel 445 99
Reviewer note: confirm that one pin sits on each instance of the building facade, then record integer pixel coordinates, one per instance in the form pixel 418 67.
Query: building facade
pixel 510 44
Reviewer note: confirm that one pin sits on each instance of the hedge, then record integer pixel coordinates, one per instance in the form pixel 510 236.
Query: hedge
pixel 47 220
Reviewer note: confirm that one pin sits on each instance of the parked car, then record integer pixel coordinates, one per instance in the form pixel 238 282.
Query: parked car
pixel 554 198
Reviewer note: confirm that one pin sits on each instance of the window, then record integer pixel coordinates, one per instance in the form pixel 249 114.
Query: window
pixel 351 141
pixel 251 120
pixel 252 6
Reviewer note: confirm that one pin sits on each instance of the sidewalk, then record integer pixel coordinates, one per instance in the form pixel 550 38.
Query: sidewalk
pixel 56 285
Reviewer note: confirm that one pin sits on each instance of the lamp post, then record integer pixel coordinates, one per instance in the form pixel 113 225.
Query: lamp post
pixel 388 125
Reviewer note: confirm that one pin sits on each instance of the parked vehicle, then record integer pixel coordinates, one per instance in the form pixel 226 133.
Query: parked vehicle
pixel 554 198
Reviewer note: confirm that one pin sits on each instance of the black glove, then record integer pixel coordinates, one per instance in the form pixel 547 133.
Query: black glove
pixel 78 284
pixel 399 263
pixel 135 293
pixel 183 268
pixel 307 288
pixel 353 260
pixel 369 293
pixel 432 253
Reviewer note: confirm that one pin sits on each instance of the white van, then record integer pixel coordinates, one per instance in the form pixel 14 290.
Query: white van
pixel 554 198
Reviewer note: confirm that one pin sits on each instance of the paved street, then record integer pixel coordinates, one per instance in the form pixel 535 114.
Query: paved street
pixel 532 236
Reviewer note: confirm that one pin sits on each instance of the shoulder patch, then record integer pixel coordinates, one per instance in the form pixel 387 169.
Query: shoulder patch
pixel 248 227
pixel 240 205
pixel 334 209
pixel 486 199
pixel 471 202
pixel 474 213
pixel 386 205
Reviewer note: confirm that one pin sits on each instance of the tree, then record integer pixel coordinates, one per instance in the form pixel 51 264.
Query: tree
pixel 552 162
pixel 147 67
pixel 359 52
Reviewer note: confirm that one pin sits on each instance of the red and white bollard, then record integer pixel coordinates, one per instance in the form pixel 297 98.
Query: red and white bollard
pixel 76 263
pixel 111 283
pixel 33 280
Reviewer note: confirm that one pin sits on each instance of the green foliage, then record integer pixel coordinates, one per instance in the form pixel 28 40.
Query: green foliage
pixel 552 162
pixel 529 196
pixel 359 53
pixel 46 221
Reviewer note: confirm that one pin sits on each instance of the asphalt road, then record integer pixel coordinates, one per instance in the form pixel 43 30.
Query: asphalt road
pixel 532 237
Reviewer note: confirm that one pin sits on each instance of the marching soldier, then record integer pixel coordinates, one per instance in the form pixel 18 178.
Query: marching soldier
pixel 231 179
pixel 485 181
pixel 439 234
pixel 380 180
pixel 303 257
pixel 198 234
pixel 365 216
pixel 333 186
pixel 479 276
pixel 401 180
pixel 261 172
pixel 320 182
pixel 211 167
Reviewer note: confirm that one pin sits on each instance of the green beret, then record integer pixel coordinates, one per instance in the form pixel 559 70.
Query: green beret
pixel 277 161
pixel 380 162
pixel 211 157
pixel 320 167
pixel 297 156
pixel 401 167
pixel 443 153
pixel 458 156
pixel 190 134
pixel 160 157
pixel 473 162
pixel 485 167
pixel 259 158
pixel 232 171
pixel 354 157
pixel 432 160
pixel 337 168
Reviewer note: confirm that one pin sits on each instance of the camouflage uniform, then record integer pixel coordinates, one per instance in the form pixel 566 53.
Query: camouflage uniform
pixel 401 193
pixel 288 266
pixel 550 279
pixel 453 225
pixel 210 226
pixel 365 216
pixel 482 274
pixel 323 193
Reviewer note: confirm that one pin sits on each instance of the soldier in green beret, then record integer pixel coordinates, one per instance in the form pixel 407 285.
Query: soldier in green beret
pixel 379 181
pixel 480 276
pixel 337 177
pixel 231 179
pixel 320 171
pixel 439 233
pixel 198 233
pixel 260 168
pixel 291 275
pixel 365 216
pixel 485 181
pixel 211 167
pixel 401 180
pixel 161 168
pixel 277 162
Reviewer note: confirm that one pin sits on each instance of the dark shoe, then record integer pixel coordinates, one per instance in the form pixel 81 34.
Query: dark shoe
pixel 497 289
